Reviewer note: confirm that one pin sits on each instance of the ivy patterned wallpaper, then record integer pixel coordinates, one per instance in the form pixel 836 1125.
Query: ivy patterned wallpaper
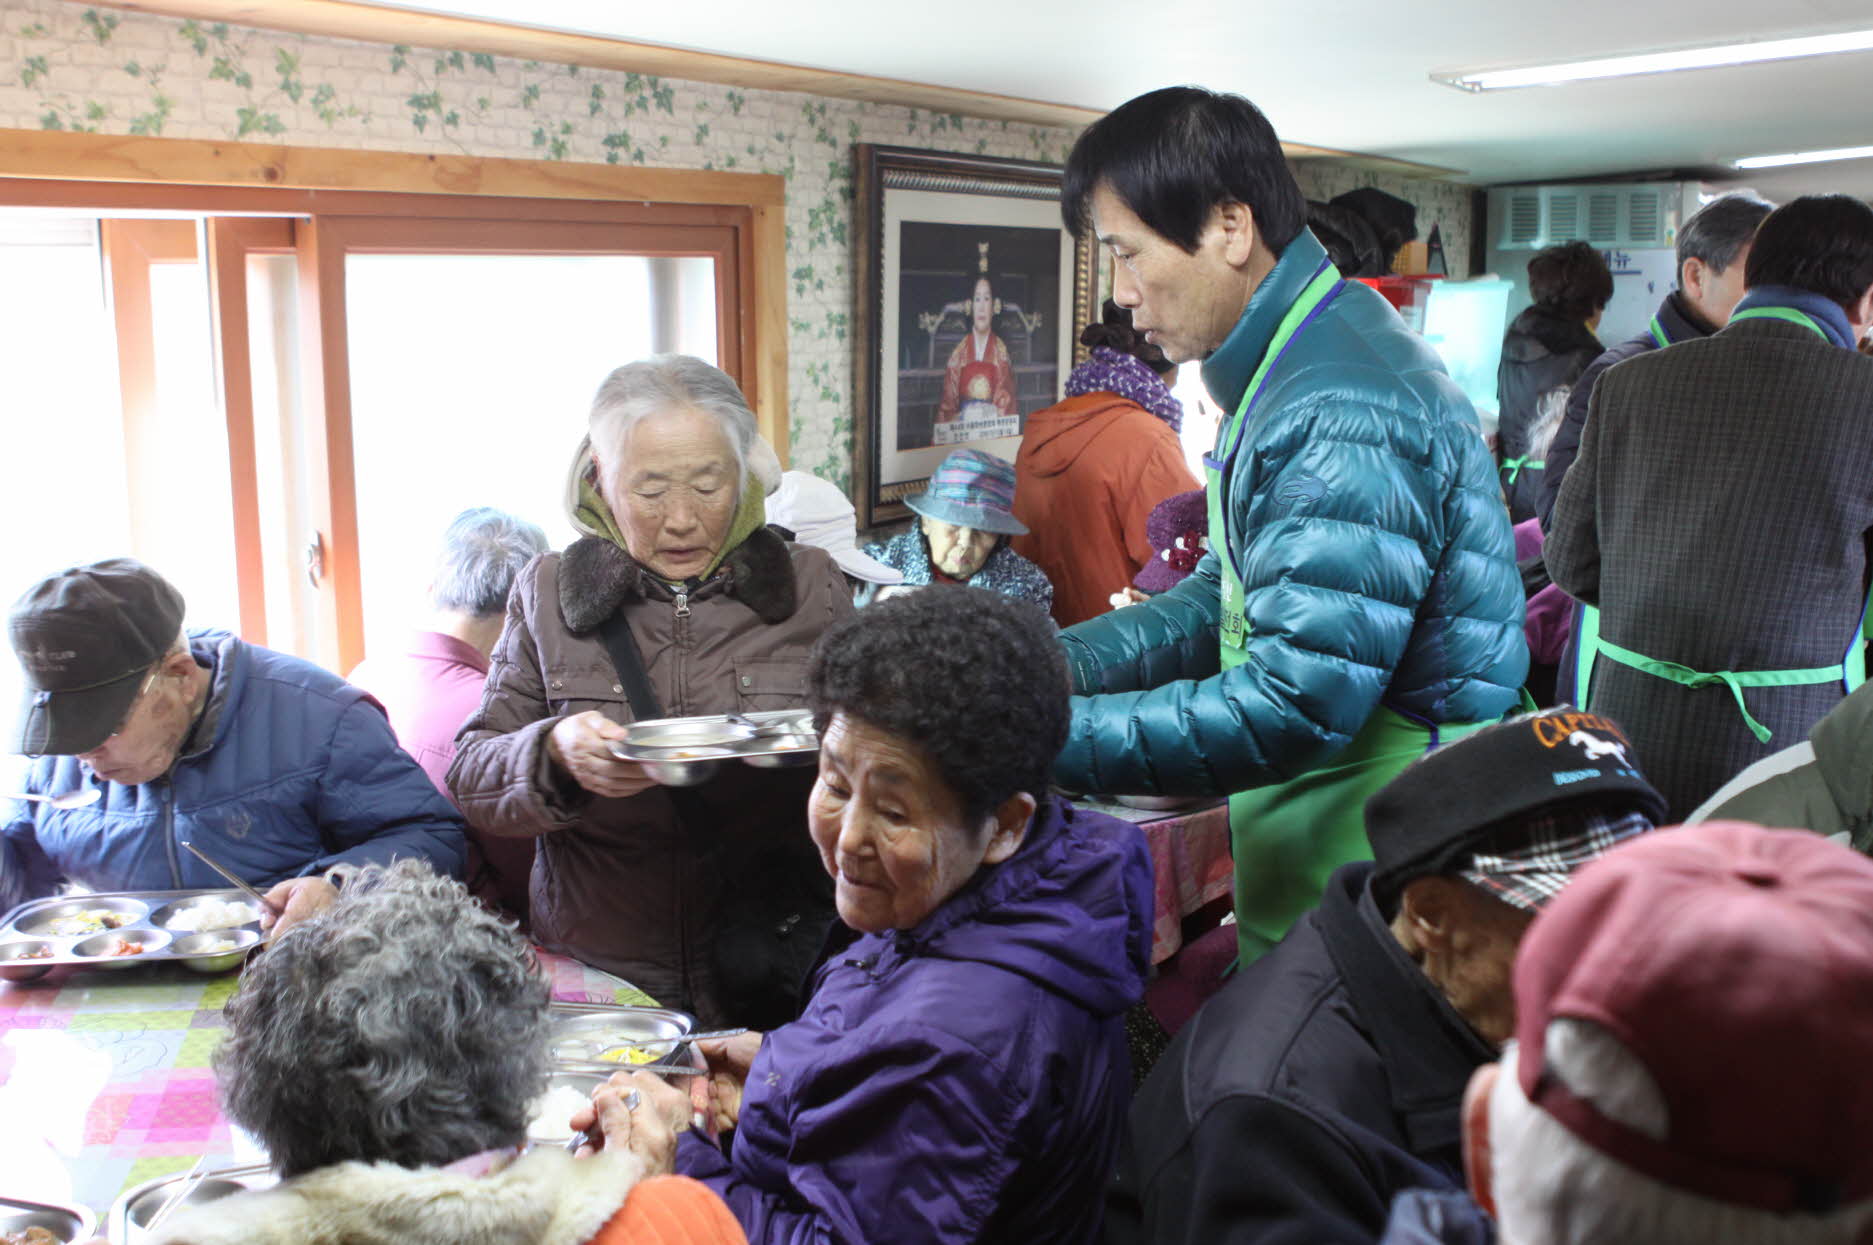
pixel 69 66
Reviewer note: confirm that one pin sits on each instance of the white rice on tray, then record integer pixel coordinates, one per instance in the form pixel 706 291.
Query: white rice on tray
pixel 212 914
pixel 552 1113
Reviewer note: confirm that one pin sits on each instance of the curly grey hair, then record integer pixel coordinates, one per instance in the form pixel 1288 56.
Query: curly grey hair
pixel 663 382
pixel 404 1024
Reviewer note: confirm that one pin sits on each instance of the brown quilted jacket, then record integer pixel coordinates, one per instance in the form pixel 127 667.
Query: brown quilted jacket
pixel 636 886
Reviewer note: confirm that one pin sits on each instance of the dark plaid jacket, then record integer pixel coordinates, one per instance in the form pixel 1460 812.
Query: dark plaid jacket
pixel 1719 515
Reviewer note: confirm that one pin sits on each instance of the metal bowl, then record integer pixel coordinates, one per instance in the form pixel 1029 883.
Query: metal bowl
pixel 203 960
pixel 784 751
pixel 587 1036
pixel 41 924
pixel 14 966
pixel 167 915
pixel 686 733
pixel 66 1223
pixel 557 1132
pixel 135 1206
pixel 148 1203
pixel 98 947
pixel 785 722
pixel 676 767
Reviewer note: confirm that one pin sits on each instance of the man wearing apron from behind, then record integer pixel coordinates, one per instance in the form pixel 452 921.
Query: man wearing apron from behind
pixel 1360 603
pixel 1720 512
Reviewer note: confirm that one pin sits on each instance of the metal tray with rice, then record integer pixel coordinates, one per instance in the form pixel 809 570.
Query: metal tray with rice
pixel 210 931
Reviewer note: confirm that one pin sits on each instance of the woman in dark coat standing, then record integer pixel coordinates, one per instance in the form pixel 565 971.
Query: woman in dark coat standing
pixel 1547 347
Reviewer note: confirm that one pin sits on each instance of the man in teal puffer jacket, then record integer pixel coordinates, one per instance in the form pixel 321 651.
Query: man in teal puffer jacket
pixel 1361 602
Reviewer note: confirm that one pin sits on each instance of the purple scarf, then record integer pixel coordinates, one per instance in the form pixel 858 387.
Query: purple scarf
pixel 1109 371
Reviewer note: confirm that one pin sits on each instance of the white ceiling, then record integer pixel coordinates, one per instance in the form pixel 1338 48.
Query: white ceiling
pixel 1348 74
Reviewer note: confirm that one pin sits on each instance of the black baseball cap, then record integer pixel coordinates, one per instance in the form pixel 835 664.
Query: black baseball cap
pixel 85 638
pixel 1470 795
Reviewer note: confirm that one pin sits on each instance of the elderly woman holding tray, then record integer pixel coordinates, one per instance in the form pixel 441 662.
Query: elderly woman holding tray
pixel 678 577
pixel 388 1054
pixel 960 1071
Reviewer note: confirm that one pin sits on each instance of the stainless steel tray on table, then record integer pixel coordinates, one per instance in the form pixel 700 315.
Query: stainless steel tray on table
pixel 135 1206
pixel 93 930
pixel 590 1041
pixel 681 752
pixel 65 1223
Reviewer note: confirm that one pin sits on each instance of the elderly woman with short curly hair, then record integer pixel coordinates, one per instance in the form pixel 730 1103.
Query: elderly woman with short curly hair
pixel 388 1053
pixel 960 1071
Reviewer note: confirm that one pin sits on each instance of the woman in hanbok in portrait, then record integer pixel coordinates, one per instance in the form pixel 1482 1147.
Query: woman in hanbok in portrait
pixel 979 380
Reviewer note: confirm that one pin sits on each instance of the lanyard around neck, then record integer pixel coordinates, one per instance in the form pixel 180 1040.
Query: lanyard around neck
pixel 1785 313
pixel 1319 291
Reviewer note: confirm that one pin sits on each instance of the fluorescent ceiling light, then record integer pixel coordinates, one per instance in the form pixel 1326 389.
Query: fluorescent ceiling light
pixel 1660 62
pixel 1804 157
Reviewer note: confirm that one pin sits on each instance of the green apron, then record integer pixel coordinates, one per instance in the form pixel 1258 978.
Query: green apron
pixel 1850 670
pixel 1287 839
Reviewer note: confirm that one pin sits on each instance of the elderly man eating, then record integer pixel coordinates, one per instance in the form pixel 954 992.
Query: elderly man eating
pixel 1327 1077
pixel 276 768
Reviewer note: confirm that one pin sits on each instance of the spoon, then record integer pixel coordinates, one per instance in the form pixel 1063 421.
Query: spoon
pixel 71 799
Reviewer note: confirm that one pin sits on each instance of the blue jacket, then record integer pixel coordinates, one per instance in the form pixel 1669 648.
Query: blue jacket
pixel 1006 571
pixel 964 1080
pixel 1376 561
pixel 299 772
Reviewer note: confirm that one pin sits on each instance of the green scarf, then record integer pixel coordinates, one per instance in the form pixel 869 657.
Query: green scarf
pixel 750 516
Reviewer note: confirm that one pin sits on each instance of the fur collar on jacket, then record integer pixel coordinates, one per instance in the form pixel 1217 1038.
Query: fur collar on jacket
pixel 596 577
pixel 546 1197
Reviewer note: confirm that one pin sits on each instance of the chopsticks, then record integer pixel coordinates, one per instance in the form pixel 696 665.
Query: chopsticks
pixel 253 894
pixel 708 1035
pixel 185 1189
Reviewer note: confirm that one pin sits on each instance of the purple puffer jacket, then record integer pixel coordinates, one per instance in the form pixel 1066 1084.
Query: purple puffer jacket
pixel 965 1080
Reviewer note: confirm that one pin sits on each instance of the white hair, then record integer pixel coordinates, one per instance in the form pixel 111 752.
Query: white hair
pixel 1552 1188
pixel 483 551
pixel 665 382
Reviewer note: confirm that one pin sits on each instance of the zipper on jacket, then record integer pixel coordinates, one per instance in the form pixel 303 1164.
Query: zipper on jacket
pixel 169 831
pixel 682 603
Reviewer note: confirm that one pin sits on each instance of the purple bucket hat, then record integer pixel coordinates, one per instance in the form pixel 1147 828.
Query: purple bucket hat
pixel 1178 530
pixel 972 489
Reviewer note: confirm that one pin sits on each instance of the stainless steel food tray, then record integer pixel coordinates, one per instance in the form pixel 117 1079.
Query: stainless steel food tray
pixel 681 752
pixel 135 1205
pixel 67 1223
pixel 34 926
pixel 581 1034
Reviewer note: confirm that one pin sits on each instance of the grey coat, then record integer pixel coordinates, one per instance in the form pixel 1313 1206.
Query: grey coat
pixel 1718 515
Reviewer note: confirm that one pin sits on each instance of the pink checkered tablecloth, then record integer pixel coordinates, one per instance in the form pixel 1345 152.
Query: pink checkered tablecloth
pixel 105 1079
pixel 1190 863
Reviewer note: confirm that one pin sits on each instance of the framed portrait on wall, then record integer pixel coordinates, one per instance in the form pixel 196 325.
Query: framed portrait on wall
pixel 971 296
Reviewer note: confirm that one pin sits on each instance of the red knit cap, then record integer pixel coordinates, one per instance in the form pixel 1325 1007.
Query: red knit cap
pixel 1736 964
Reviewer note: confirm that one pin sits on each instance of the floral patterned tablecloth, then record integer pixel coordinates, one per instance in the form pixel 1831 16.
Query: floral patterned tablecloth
pixel 105 1079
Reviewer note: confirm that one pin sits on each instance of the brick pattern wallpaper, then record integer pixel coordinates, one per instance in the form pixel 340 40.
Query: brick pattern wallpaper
pixel 69 66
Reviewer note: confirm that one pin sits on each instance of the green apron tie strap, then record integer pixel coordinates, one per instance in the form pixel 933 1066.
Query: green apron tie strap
pixel 1658 333
pixel 1514 465
pixel 1735 680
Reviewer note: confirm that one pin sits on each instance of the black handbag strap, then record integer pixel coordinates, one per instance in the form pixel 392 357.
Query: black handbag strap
pixel 625 655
